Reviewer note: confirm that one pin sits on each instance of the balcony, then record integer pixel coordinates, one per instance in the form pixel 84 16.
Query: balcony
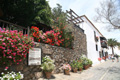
pixel 103 44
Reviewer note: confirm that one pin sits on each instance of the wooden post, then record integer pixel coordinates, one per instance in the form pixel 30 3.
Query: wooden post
pixel 28 32
pixel 7 28
pixel 3 25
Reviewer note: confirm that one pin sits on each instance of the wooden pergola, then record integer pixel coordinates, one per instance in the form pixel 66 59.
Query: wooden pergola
pixel 73 17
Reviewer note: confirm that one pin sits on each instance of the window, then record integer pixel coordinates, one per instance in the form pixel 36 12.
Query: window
pixel 95 35
pixel 96 47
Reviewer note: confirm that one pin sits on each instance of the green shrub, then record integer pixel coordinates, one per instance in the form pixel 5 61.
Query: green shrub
pixel 48 64
pixel 74 64
pixel 90 62
pixel 79 65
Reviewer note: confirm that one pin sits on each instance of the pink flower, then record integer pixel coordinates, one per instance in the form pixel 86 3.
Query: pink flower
pixel 14 54
pixel 3 44
pixel 3 47
pixel 11 43
pixel 7 52
pixel 1 35
pixel 10 57
pixel 6 68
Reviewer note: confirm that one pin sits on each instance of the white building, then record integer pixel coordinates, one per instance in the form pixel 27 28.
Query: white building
pixel 96 42
pixel 94 38
pixel 116 50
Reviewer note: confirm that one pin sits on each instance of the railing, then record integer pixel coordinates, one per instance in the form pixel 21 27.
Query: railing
pixel 11 26
pixel 79 28
pixel 103 44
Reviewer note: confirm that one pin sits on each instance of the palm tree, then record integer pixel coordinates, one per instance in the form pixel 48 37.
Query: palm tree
pixel 118 45
pixel 112 43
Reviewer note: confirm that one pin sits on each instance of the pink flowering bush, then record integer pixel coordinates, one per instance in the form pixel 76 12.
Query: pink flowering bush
pixel 14 47
pixel 57 37
pixel 66 67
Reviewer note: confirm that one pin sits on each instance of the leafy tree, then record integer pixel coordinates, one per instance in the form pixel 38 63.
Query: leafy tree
pixel 112 43
pixel 59 20
pixel 25 12
pixel 59 16
pixel 109 13
pixel 118 45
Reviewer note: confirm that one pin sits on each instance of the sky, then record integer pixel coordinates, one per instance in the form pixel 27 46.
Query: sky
pixel 86 7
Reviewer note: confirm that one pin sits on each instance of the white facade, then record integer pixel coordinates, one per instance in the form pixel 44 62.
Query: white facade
pixel 90 31
pixel 116 51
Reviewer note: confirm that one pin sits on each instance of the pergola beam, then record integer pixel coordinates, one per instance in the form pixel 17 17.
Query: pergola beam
pixel 73 17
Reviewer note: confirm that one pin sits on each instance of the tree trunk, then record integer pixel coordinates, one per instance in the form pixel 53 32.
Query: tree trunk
pixel 112 51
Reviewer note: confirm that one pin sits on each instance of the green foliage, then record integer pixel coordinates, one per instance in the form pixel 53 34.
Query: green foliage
pixel 47 59
pixel 118 45
pixel 90 62
pixel 59 16
pixel 112 42
pixel 85 61
pixel 48 64
pixel 74 64
pixel 44 14
pixel 79 65
pixel 11 76
pixel 26 12
pixel 59 21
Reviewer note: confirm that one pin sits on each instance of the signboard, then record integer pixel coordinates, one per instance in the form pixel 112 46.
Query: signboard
pixel 34 56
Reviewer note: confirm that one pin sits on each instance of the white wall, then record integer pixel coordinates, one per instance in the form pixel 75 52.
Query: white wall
pixel 116 50
pixel 91 43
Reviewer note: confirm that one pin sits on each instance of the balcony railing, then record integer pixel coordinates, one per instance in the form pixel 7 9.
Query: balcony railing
pixel 11 26
pixel 103 44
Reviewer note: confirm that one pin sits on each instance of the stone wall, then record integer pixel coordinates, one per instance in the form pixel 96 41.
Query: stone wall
pixel 79 43
pixel 59 54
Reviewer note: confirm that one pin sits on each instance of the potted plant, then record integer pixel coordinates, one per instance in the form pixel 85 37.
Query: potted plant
pixel 85 63
pixel 74 66
pixel 90 63
pixel 66 68
pixel 104 58
pixel 47 66
pixel 11 76
pixel 99 59
pixel 80 66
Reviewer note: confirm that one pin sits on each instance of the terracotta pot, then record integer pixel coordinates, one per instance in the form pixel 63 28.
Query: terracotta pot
pixel 67 72
pixel 80 69
pixel 86 67
pixel 75 70
pixel 79 61
pixel 48 75
pixel 90 65
pixel 103 58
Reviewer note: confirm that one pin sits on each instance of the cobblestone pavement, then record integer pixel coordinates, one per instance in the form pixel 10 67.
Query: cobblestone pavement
pixel 104 71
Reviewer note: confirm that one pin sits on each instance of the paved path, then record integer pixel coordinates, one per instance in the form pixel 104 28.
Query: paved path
pixel 104 71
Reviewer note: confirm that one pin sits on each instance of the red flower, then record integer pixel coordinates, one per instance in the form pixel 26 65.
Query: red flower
pixel 59 41
pixel 99 59
pixel 6 68
pixel 24 56
pixel 0 46
pixel 39 40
